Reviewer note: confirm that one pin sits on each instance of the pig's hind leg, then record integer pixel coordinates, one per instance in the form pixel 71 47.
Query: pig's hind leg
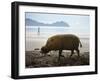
pixel 72 52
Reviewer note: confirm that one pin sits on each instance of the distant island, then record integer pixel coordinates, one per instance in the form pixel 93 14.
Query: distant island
pixel 30 22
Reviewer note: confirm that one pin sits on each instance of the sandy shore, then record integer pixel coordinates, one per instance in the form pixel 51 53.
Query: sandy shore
pixel 35 59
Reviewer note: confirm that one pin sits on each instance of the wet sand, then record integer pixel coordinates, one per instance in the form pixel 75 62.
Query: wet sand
pixel 34 59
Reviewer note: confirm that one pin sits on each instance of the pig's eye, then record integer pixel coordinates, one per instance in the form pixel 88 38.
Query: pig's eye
pixel 52 39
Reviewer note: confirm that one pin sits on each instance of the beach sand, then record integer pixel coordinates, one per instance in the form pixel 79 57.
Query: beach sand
pixel 36 59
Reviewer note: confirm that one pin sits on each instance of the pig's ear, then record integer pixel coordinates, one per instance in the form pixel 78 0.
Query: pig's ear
pixel 42 47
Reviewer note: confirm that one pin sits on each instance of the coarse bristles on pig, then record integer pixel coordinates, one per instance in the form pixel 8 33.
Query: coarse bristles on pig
pixel 62 42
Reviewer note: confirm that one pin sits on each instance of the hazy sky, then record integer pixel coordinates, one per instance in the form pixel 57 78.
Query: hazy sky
pixel 72 20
